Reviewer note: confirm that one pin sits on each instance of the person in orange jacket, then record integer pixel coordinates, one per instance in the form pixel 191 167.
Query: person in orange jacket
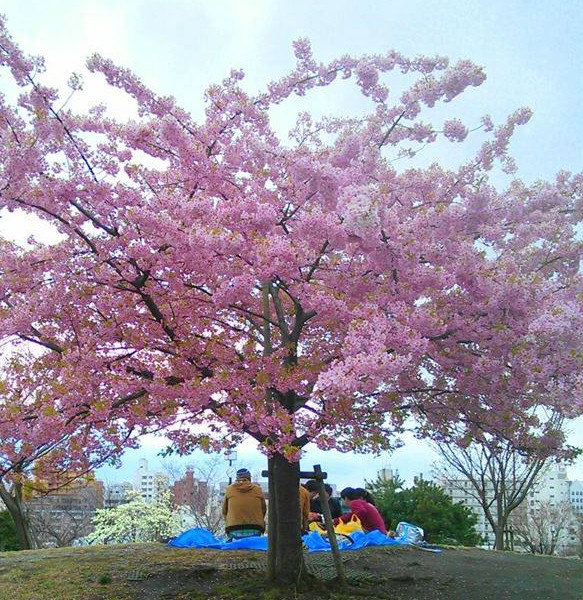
pixel 304 509
pixel 244 507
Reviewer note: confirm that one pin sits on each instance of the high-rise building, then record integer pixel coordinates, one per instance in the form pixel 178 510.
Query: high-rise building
pixel 461 491
pixel 552 491
pixel 576 496
pixel 149 484
pixel 552 486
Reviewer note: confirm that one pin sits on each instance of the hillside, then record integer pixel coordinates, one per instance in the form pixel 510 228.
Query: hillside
pixel 156 571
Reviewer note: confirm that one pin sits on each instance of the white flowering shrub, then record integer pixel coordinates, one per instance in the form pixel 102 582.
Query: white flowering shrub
pixel 136 521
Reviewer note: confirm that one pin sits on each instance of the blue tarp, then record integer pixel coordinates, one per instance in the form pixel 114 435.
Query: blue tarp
pixel 202 538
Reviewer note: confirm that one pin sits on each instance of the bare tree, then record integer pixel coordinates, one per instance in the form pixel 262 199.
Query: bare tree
pixel 196 489
pixel 579 535
pixel 59 528
pixel 540 527
pixel 499 477
pixel 59 519
pixel 206 507
pixel 173 468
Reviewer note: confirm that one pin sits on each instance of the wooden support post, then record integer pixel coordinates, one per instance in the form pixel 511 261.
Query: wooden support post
pixel 319 477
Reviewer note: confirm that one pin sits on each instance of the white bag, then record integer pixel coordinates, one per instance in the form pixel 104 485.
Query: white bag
pixel 409 533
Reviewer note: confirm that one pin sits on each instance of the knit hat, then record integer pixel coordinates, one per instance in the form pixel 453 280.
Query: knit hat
pixel 312 485
pixel 243 474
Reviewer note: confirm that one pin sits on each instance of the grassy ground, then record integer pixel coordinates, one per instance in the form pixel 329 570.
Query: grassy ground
pixel 157 572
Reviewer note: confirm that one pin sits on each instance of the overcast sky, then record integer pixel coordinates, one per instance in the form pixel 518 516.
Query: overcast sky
pixel 532 51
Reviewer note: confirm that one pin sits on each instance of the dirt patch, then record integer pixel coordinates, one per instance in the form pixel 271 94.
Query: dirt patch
pixel 471 573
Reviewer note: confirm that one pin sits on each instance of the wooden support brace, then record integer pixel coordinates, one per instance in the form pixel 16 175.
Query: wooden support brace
pixel 303 475
pixel 319 477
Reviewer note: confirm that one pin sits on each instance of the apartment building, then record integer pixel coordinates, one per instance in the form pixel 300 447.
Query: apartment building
pixel 116 493
pixel 576 497
pixel 149 484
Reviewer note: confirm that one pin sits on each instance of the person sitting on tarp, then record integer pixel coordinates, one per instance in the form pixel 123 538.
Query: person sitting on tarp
pixel 316 511
pixel 244 507
pixel 304 509
pixel 370 517
pixel 365 495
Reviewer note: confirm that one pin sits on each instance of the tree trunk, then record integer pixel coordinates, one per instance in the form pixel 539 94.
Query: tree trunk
pixel 271 524
pixel 17 510
pixel 285 559
pixel 500 532
pixel 499 536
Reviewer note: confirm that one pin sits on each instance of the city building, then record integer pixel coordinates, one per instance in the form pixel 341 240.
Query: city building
pixel 576 497
pixel 116 494
pixel 188 491
pixel 461 491
pixel 552 493
pixel 149 484
pixel 64 516
pixel 552 486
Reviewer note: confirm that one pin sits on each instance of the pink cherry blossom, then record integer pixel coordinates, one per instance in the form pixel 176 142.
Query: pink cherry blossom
pixel 216 279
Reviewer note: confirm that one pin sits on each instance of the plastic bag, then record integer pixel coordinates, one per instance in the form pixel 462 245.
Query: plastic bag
pixel 406 532
pixel 317 526
pixel 342 528
pixel 347 528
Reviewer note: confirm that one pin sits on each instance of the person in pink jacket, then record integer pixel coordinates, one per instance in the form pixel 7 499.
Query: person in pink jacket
pixel 370 517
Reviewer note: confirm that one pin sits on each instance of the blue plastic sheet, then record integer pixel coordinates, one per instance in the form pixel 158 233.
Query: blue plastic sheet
pixel 313 541
pixel 196 538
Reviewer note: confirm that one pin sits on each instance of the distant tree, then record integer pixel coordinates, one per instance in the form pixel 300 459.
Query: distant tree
pixel 500 474
pixel 59 519
pixel 136 521
pixel 204 505
pixel 173 468
pixel 539 527
pixel 386 493
pixel 8 534
pixel 427 505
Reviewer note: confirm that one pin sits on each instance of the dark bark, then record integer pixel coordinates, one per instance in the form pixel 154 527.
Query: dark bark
pixel 286 559
pixel 17 510
pixel 499 537
pixel 271 525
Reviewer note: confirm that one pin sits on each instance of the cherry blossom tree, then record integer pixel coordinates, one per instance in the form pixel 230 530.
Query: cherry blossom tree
pixel 44 445
pixel 225 280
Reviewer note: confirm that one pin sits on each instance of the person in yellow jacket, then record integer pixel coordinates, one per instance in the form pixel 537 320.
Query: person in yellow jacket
pixel 244 507
pixel 304 508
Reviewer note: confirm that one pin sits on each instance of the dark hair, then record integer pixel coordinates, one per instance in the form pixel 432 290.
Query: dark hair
pixel 365 495
pixel 311 485
pixel 349 493
pixel 328 489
